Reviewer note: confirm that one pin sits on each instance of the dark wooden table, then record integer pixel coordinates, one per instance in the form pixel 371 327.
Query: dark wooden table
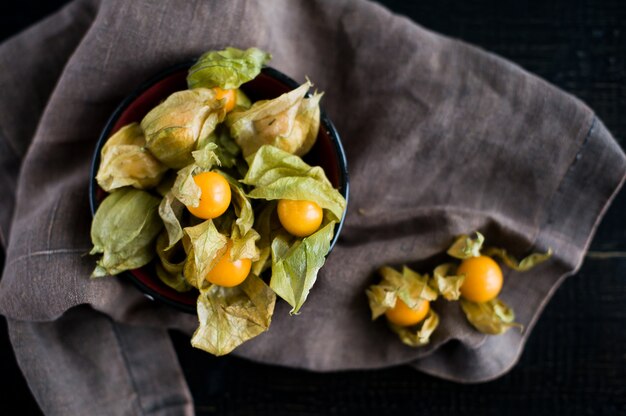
pixel 575 360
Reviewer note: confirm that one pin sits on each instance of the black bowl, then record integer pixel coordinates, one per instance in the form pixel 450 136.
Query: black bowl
pixel 327 152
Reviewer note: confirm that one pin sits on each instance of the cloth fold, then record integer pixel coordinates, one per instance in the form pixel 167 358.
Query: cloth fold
pixel 441 139
pixel 124 364
pixel 27 80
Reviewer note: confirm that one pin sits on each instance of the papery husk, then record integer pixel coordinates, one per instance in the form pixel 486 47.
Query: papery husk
pixel 447 282
pixel 124 161
pixel 124 229
pixel 523 265
pixel 290 122
pixel 493 317
pixel 173 128
pixel 417 335
pixel 268 226
pixel 276 174
pixel 204 246
pixel 409 286
pixel 230 316
pixel 295 266
pixel 171 212
pixel 168 271
pixel 465 246
pixel 227 69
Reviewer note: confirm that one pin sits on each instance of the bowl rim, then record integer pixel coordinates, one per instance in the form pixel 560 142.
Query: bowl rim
pixel 325 122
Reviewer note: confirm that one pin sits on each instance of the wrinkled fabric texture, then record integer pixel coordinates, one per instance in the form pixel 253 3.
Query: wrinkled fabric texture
pixel 441 139
pixel 124 365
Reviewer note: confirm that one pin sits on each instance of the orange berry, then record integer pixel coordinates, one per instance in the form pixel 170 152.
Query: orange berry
pixel 229 95
pixel 300 218
pixel 483 279
pixel 215 197
pixel 229 273
pixel 402 315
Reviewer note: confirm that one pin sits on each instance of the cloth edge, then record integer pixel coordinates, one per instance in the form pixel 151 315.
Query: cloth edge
pixel 616 178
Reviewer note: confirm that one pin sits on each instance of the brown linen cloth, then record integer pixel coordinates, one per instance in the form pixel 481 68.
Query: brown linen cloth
pixel 441 139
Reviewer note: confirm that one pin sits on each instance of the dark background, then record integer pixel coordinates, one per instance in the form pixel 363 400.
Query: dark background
pixel 575 360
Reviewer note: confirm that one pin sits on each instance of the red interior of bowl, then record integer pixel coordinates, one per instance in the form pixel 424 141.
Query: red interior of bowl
pixel 263 86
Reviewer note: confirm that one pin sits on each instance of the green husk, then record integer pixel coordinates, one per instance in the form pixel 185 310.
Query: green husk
pixel 447 282
pixel 243 236
pixel 415 288
pixel 417 336
pixel 242 102
pixel 408 285
pixel 204 246
pixel 289 122
pixel 167 270
pixel 171 212
pixel 244 246
pixel 185 188
pixel 268 227
pixel 125 162
pixel 308 189
pixel 295 266
pixel 381 297
pixel 412 288
pixel 276 174
pixel 465 247
pixel 206 157
pixel 175 281
pixel 270 163
pixel 493 317
pixel 241 204
pixel 228 317
pixel 174 127
pixel 170 257
pixel 226 150
pixel 523 265
pixel 123 230
pixel 227 69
